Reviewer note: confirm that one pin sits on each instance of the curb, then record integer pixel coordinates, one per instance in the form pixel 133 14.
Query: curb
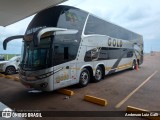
pixel 96 100
pixel 66 92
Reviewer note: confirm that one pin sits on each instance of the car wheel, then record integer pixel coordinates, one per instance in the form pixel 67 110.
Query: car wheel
pixel 10 70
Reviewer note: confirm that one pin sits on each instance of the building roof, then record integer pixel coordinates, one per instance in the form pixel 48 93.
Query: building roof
pixel 12 11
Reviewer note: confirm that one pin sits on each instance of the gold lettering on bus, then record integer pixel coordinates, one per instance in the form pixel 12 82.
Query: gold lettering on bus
pixel 109 41
pixel 114 42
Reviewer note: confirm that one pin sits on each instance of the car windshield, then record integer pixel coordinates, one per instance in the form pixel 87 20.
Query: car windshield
pixel 13 58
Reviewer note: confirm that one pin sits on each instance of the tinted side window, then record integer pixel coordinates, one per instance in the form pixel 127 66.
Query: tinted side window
pixel 95 26
pixel 64 53
pixel 98 26
pixel 114 53
pixel 127 53
pixel 106 53
pixel 65 48
pixel 92 54
pixel 130 54
pixel 123 34
pixel 135 36
pixel 103 54
pixel 72 19
pixel 111 29
pixel 45 18
pixel 117 31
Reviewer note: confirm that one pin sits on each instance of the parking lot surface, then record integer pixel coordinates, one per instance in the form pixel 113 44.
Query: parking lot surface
pixel 130 87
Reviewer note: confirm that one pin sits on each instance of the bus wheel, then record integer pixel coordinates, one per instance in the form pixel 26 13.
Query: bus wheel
pixel 98 74
pixel 133 65
pixel 84 78
pixel 10 70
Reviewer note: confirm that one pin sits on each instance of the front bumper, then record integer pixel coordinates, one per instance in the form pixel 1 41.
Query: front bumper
pixel 39 84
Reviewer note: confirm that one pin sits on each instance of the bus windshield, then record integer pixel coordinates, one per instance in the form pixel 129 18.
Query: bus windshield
pixel 64 45
pixel 36 57
pixel 62 48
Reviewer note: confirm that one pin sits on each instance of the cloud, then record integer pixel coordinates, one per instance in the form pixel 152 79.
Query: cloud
pixel 18 28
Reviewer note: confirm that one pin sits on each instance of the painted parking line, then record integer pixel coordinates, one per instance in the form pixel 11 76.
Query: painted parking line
pixel 134 91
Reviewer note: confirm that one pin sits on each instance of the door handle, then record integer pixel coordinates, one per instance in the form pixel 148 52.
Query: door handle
pixel 67 67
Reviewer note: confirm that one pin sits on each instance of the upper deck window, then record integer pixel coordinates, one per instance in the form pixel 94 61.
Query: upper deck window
pixel 98 26
pixel 46 18
pixel 72 19
pixel 95 26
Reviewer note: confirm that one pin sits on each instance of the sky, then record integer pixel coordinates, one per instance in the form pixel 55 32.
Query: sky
pixel 140 16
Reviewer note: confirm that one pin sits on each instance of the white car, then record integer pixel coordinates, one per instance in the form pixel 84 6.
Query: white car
pixel 1 57
pixel 11 66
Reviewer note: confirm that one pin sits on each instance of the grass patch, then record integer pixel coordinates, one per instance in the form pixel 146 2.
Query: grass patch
pixel 9 56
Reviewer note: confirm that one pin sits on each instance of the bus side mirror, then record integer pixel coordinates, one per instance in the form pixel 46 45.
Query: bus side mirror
pixel 47 30
pixel 66 32
pixel 10 39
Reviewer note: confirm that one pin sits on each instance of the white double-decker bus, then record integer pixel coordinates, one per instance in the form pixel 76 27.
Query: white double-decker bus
pixel 64 45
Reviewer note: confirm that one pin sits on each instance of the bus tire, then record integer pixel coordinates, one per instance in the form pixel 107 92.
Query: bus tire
pixel 84 78
pixel 98 74
pixel 10 70
pixel 133 65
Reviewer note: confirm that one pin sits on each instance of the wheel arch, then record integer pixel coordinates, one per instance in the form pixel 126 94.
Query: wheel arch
pixel 89 68
pixel 8 67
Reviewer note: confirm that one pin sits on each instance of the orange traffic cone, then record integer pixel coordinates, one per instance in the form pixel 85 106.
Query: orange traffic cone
pixel 137 67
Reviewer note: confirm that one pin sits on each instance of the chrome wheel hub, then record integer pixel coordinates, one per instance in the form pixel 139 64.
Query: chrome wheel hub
pixel 84 77
pixel 98 74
